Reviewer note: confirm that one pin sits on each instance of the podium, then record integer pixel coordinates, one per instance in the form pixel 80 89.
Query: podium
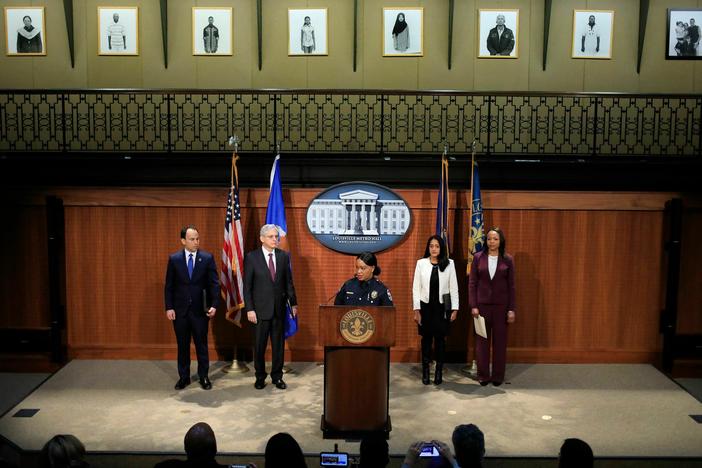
pixel 357 343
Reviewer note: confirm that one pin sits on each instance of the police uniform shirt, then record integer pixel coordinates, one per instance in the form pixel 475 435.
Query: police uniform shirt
pixel 364 293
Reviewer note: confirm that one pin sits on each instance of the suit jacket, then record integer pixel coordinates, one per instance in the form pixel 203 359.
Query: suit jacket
pixel 261 293
pixel 500 45
pixel 447 283
pixel 183 293
pixel 499 290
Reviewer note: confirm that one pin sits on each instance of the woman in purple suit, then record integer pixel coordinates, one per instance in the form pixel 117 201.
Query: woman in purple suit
pixel 491 294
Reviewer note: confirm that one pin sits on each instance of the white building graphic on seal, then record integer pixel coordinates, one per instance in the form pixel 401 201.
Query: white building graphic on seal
pixel 357 213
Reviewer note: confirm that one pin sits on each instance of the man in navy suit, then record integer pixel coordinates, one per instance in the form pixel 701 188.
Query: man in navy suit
pixel 191 285
pixel 268 287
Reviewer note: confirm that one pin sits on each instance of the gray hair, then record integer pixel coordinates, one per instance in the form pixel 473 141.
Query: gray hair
pixel 267 227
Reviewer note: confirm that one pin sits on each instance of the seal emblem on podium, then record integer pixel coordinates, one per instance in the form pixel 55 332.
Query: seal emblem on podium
pixel 357 326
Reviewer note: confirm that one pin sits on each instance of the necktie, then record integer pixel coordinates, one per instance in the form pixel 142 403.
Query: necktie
pixel 271 266
pixel 190 266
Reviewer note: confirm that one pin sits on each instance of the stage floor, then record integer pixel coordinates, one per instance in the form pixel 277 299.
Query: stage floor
pixel 130 406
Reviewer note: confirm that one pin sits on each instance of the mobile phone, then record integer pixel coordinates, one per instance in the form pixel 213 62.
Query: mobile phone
pixel 429 450
pixel 333 459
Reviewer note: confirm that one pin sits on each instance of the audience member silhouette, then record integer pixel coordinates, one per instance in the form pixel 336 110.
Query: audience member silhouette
pixel 468 445
pixel 200 447
pixel 374 451
pixel 283 451
pixel 63 451
pixel 575 453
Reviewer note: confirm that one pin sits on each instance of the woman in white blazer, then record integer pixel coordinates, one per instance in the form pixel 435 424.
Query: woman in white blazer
pixel 435 303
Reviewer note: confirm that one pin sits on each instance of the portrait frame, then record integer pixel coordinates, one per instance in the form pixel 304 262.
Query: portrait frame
pixel 14 28
pixel 677 48
pixel 414 18
pixel 319 22
pixel 128 19
pixel 222 21
pixel 585 37
pixel 487 21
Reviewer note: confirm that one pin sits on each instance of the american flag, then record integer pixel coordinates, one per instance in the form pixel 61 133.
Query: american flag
pixel 232 277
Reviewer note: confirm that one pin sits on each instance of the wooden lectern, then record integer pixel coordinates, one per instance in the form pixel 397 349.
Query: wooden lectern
pixel 357 343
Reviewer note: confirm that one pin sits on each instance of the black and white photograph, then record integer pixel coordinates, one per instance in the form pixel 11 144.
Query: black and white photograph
pixel 307 31
pixel 24 31
pixel 118 31
pixel 212 31
pixel 403 34
pixel 683 34
pixel 593 34
pixel 498 33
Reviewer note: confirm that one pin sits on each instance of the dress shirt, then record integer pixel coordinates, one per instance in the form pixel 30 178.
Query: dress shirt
pixel 492 265
pixel 265 254
pixel 187 256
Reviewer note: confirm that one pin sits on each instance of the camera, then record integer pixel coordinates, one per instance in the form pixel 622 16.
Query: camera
pixel 333 459
pixel 429 450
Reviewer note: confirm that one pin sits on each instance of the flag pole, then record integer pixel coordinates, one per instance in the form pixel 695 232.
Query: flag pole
pixel 470 204
pixel 470 369
pixel 236 366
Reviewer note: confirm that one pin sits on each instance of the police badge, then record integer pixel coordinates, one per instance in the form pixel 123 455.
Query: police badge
pixel 374 295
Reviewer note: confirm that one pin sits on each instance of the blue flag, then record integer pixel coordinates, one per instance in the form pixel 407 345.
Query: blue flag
pixel 275 214
pixel 476 239
pixel 442 205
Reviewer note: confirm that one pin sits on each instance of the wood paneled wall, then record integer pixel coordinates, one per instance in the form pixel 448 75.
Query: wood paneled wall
pixel 690 291
pixel 589 270
pixel 24 289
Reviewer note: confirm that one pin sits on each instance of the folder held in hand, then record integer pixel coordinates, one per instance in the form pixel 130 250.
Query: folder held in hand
pixel 479 324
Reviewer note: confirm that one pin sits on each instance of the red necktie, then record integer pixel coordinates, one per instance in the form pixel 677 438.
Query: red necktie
pixel 271 266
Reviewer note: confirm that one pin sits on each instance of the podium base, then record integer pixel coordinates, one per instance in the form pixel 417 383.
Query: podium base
pixel 329 432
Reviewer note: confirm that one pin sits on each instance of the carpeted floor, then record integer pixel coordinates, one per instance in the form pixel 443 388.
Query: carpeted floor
pixel 130 406
pixel 14 387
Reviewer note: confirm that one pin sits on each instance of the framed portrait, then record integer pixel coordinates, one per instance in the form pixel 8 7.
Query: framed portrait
pixel 592 34
pixel 212 31
pixel 118 30
pixel 403 32
pixel 498 33
pixel 307 31
pixel 683 34
pixel 25 31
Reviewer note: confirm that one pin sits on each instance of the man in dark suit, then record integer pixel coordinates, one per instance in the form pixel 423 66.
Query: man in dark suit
pixel 500 39
pixel 191 284
pixel 268 287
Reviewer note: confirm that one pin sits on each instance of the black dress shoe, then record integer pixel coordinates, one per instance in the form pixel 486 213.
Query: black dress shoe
pixel 260 383
pixel 280 384
pixel 484 382
pixel 182 383
pixel 205 383
pixel 497 384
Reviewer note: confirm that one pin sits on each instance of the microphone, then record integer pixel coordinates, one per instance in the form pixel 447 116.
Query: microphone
pixel 332 297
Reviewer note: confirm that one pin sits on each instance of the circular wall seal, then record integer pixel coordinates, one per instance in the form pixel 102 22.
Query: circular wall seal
pixel 355 217
pixel 357 326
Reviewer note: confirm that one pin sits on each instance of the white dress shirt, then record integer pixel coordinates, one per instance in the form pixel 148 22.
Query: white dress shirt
pixel 265 254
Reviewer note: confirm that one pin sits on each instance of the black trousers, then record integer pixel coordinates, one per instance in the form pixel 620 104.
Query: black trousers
pixel 186 327
pixel 439 347
pixel 264 329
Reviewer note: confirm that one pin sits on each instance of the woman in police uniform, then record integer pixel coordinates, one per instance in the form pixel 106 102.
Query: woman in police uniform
pixel 364 289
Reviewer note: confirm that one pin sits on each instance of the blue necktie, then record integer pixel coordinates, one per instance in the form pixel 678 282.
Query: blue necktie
pixel 190 266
